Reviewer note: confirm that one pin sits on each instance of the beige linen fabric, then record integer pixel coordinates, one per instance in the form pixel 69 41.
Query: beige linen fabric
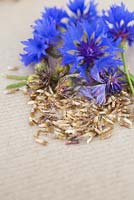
pixel 102 170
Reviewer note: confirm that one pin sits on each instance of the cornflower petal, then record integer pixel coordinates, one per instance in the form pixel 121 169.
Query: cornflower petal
pixel 60 16
pixel 82 10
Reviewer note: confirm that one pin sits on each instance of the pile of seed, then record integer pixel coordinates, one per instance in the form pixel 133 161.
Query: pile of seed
pixel 77 119
pixel 66 116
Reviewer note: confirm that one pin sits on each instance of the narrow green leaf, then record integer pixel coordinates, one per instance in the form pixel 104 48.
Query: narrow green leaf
pixel 15 77
pixel 16 85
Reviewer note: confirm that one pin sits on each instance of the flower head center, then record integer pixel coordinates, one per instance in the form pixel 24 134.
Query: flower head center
pixel 89 51
pixel 112 80
pixel 121 34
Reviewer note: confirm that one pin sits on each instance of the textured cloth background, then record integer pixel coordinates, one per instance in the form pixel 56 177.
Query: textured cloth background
pixel 102 170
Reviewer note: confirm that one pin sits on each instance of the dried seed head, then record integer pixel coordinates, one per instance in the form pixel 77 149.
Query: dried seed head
pixel 40 141
pixel 124 93
pixel 13 68
pixel 126 122
pixel 106 135
pixel 96 119
pixel 24 90
pixel 11 91
pixel 31 102
pixel 108 120
pixel 38 138
pixel 89 139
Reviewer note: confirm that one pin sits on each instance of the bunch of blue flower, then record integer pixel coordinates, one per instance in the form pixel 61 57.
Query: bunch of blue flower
pixel 87 43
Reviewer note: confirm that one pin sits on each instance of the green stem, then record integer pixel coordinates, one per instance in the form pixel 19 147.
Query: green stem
pixel 16 85
pixel 127 72
pixel 132 78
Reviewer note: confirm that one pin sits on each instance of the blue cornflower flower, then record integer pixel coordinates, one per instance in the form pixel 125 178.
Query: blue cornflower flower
pixel 82 10
pixel 58 15
pixel 107 80
pixel 118 22
pixel 83 45
pixel 44 37
pixel 46 34
pixel 47 30
pixel 35 51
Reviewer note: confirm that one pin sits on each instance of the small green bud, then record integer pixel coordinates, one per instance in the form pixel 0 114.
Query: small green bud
pixel 41 67
pixel 35 82
pixel 59 68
